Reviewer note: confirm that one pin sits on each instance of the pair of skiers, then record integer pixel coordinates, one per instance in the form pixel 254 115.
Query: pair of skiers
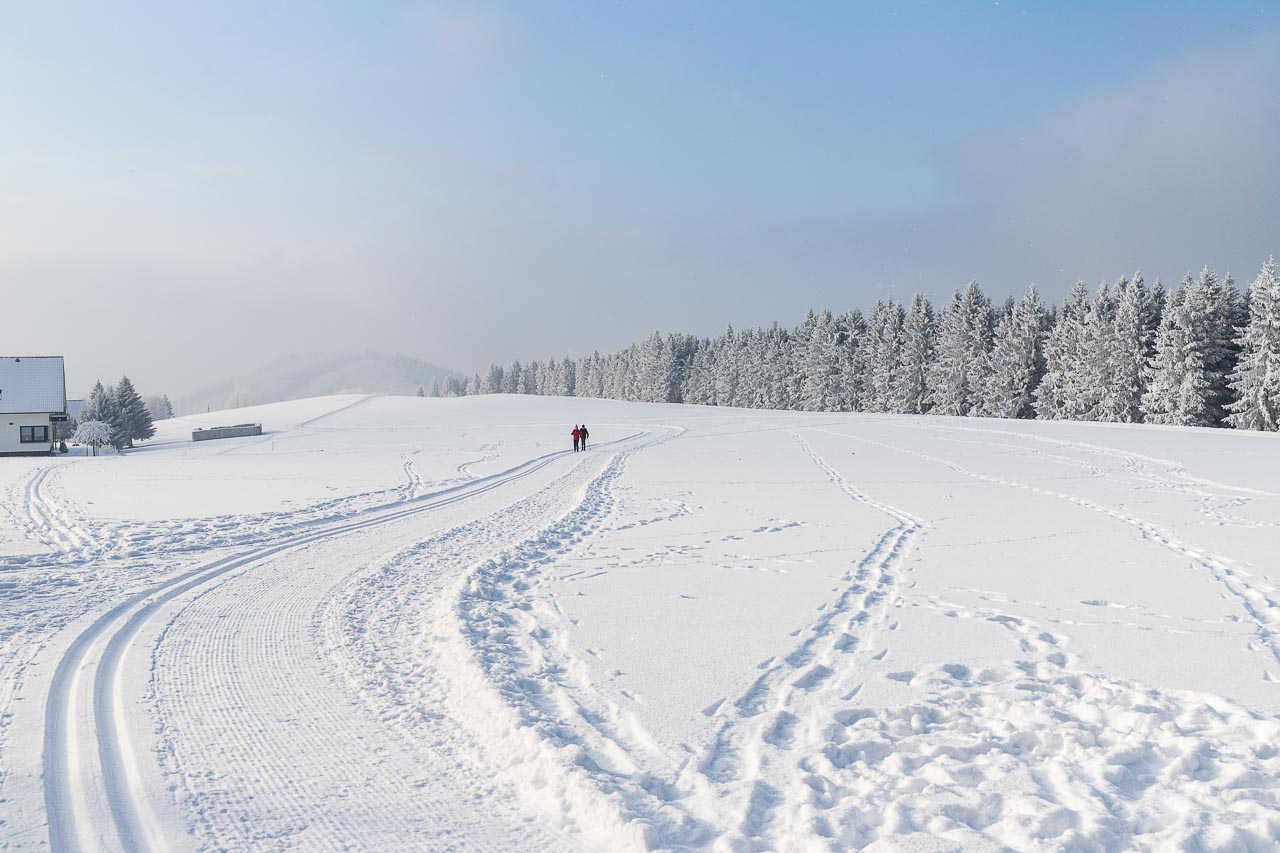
pixel 580 436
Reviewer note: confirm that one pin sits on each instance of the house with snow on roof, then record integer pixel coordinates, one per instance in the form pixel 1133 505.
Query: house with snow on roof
pixel 33 397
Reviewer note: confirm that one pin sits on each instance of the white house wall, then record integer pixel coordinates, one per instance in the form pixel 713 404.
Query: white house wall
pixel 11 434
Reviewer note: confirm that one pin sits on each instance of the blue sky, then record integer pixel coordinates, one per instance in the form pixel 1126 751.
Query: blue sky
pixel 476 182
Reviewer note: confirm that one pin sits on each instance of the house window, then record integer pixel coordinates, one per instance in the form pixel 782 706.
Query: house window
pixel 34 434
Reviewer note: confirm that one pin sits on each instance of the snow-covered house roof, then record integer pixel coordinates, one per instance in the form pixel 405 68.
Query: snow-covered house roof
pixel 32 384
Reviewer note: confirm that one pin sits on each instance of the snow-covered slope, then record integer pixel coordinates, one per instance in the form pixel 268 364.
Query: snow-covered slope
pixel 316 374
pixel 397 623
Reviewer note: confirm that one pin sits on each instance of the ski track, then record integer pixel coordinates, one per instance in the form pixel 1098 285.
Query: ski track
pixel 305 426
pixel 796 763
pixel 477 647
pixel 768 729
pixel 1085 775
pixel 490 452
pixel 1210 504
pixel 542 712
pixel 1043 754
pixel 49 521
pixel 77 541
pixel 413 480
pixel 1175 470
pixel 1257 599
pixel 62 762
pixel 448 644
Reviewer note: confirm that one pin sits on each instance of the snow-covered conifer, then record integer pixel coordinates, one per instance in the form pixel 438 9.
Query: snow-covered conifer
pixel 775 393
pixel 960 366
pixel 1094 379
pixel 1129 345
pixel 495 383
pixel 724 380
pixel 1179 391
pixel 1016 362
pixel 854 355
pixel 919 329
pixel 1256 378
pixel 132 421
pixel 884 355
pixel 820 372
pixel 568 376
pixel 1058 395
pixel 529 378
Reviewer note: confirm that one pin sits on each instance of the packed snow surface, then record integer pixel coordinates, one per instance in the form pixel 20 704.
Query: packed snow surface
pixel 401 623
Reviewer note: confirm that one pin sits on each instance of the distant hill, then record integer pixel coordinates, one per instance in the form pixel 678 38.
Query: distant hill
pixel 314 375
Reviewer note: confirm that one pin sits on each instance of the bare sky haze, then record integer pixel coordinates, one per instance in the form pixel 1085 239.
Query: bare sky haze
pixel 188 190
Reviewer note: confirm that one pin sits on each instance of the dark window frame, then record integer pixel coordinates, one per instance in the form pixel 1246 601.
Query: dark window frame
pixel 27 434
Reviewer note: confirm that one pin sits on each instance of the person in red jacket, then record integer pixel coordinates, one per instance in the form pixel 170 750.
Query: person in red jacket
pixel 576 436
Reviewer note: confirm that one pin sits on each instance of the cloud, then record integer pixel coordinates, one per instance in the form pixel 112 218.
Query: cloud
pixel 1164 173
pixel 1169 171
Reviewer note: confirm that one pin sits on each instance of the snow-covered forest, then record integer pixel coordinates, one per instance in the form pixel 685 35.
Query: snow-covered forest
pixel 1204 355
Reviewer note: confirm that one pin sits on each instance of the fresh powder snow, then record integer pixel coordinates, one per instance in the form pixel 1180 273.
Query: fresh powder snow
pixel 419 623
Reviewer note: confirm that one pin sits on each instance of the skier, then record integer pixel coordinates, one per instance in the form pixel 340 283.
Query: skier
pixel 582 430
pixel 577 435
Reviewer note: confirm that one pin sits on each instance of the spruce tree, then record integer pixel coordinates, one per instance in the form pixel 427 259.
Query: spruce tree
pixel 854 358
pixel 102 406
pixel 529 378
pixel 1058 395
pixel 1256 378
pixel 820 389
pixel 777 360
pixel 1017 361
pixel 918 334
pixel 133 420
pixel 1130 347
pixel 1179 391
pixel 657 381
pixel 724 380
pixel 1214 306
pixel 884 356
pixel 960 367
pixel 1095 380
pixel 495 382
pixel 97 403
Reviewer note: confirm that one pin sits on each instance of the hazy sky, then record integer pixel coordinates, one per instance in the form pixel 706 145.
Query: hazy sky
pixel 188 190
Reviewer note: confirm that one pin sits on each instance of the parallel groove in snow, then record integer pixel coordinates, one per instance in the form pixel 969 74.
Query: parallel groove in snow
pixel 406 677
pixel 60 794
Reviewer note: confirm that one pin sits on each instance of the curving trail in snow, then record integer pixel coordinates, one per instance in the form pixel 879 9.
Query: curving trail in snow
pixel 109 636
pixel 710 631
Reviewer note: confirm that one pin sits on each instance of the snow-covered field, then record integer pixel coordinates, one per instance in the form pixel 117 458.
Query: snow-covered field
pixel 401 623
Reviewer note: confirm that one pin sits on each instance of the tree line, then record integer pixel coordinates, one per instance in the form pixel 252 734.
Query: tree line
pixel 117 416
pixel 1204 355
